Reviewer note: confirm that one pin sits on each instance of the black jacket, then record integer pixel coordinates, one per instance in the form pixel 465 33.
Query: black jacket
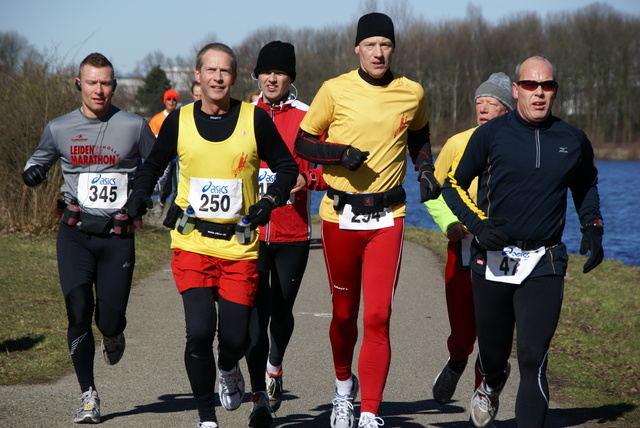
pixel 525 171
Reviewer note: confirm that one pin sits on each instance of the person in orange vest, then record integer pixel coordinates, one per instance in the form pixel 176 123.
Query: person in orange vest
pixel 166 182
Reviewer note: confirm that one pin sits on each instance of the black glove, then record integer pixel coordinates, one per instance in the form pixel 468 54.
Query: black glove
pixel 352 158
pixel 429 186
pixel 592 242
pixel 138 204
pixel 260 212
pixel 488 235
pixel 35 175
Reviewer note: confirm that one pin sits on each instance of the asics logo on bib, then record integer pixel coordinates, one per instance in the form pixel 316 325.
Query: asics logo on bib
pixel 103 181
pixel 266 177
pixel 510 252
pixel 210 188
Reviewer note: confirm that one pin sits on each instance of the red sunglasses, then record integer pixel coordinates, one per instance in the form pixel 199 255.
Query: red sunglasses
pixel 532 85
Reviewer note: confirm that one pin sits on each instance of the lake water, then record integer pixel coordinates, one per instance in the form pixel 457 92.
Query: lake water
pixel 619 187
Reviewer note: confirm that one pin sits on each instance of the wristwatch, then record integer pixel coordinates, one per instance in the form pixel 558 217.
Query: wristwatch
pixel 275 200
pixel 597 222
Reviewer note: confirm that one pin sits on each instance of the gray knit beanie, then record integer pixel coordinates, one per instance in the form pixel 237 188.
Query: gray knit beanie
pixel 497 86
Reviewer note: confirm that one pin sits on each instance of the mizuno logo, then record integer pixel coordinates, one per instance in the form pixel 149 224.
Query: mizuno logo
pixel 563 150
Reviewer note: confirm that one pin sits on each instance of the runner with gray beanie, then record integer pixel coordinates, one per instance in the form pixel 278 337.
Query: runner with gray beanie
pixel 493 98
pixel 497 86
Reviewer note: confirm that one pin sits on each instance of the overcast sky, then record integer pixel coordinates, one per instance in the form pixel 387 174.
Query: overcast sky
pixel 127 30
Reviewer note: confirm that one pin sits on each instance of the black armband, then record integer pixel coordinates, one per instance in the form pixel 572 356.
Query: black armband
pixel 311 148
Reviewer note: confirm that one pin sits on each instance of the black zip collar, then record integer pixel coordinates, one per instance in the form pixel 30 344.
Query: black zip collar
pixel 539 125
pixel 383 81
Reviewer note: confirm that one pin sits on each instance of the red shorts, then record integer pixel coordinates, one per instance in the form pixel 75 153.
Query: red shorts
pixel 235 280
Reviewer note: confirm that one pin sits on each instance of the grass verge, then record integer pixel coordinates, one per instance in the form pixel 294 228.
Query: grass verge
pixel 594 362
pixel 33 323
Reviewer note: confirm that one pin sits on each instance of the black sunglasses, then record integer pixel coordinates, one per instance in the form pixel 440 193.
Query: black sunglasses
pixel 532 85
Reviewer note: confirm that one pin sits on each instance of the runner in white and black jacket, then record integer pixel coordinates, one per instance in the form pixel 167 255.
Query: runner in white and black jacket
pixel 284 241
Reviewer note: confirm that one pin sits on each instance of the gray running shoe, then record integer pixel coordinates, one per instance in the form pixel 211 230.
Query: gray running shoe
pixel 231 388
pixel 342 414
pixel 472 425
pixel 485 404
pixel 274 390
pixel 261 413
pixel 89 411
pixel 113 348
pixel 445 384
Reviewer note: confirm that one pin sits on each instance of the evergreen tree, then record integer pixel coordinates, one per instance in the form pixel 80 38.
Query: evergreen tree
pixel 150 94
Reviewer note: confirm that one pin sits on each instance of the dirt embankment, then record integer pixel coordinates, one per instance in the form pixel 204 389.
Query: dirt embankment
pixel 617 151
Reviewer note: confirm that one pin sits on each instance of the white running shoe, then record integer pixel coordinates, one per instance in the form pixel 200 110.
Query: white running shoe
pixel 342 414
pixel 274 389
pixel 89 411
pixel 485 403
pixel 113 348
pixel 261 413
pixel 207 425
pixel 231 388
pixel 369 420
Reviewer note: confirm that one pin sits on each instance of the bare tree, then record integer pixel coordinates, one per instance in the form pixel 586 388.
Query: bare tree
pixel 22 121
pixel 151 60
pixel 14 50
pixel 596 51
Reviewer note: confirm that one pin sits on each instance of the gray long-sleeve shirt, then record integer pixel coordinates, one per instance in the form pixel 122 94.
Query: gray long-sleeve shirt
pixel 99 156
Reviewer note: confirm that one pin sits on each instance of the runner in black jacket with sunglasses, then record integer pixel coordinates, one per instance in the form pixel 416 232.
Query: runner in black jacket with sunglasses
pixel 526 161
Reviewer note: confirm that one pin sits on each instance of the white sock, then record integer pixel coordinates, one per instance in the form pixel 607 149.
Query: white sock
pixel 344 386
pixel 273 370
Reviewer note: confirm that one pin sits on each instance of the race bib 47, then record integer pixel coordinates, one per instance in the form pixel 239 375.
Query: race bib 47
pixel 512 265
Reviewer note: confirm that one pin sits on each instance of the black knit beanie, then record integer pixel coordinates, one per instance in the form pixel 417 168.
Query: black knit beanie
pixel 277 55
pixel 375 24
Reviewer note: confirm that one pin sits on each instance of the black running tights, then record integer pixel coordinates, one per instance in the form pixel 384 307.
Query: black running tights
pixel 201 319
pixel 533 308
pixel 85 261
pixel 280 268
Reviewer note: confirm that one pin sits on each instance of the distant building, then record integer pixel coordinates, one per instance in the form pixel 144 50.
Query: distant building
pixel 181 78
pixel 130 84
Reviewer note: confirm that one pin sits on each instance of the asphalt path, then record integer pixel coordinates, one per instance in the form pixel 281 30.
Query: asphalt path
pixel 149 387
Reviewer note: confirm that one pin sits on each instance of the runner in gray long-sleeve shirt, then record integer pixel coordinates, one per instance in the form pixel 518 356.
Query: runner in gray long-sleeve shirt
pixel 99 147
